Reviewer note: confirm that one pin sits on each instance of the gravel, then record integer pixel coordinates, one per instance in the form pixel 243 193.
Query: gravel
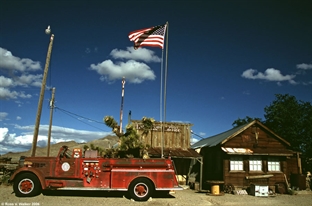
pixel 186 197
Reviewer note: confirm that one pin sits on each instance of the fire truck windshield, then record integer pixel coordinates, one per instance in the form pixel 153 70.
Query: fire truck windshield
pixel 66 152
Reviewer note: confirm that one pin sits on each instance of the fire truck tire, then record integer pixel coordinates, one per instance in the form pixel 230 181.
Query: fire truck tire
pixel 141 189
pixel 26 185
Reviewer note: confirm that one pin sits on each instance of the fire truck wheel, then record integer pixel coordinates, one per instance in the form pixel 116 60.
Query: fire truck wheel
pixel 141 189
pixel 26 185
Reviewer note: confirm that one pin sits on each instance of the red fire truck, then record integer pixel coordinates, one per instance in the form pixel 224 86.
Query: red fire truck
pixel 72 171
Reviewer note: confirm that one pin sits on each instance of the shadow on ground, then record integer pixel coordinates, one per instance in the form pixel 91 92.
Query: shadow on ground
pixel 105 194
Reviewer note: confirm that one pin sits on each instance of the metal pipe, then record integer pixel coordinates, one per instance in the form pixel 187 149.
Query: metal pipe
pixel 51 117
pixel 122 99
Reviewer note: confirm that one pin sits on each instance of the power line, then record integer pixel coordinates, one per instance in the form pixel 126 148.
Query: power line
pixel 79 115
pixel 197 135
pixel 73 115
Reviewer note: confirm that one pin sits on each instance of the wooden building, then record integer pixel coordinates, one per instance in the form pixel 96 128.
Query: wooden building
pixel 245 155
pixel 175 135
pixel 173 140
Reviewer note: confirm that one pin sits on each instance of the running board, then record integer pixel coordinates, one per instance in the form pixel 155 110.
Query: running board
pixel 171 188
pixel 90 188
pixel 111 189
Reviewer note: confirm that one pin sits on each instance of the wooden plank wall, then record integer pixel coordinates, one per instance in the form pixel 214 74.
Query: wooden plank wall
pixel 247 139
pixel 176 135
pixel 292 164
pixel 238 179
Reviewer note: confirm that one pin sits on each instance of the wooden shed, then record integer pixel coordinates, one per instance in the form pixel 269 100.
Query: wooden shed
pixel 245 155
pixel 171 139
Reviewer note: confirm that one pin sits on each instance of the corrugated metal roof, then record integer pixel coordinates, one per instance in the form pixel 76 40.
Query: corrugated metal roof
pixel 173 152
pixel 225 136
pixel 216 139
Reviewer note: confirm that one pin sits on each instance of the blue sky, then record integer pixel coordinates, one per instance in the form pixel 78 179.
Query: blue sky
pixel 226 60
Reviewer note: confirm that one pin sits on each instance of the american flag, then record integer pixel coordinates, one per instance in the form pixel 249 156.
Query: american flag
pixel 153 36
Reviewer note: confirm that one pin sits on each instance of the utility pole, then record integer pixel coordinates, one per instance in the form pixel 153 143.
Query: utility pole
pixel 51 116
pixel 45 73
pixel 123 81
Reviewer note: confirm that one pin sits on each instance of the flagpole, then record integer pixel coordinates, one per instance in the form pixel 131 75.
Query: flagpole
pixel 142 38
pixel 161 102
pixel 165 87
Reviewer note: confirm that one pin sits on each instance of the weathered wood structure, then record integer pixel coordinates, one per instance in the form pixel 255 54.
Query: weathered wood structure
pixel 248 154
pixel 174 140
pixel 175 135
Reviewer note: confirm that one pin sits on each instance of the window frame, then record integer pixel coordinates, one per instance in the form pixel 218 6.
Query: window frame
pixel 270 165
pixel 255 164
pixel 236 164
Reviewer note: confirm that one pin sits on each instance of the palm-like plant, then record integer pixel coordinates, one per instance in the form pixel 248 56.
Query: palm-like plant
pixel 130 143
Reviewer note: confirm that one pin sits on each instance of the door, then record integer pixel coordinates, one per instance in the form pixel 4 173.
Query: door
pixel 66 165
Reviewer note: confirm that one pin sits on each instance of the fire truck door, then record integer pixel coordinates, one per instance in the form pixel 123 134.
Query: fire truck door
pixel 66 166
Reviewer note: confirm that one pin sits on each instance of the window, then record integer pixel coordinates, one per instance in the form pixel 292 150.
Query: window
pixel 255 164
pixel 236 163
pixel 274 164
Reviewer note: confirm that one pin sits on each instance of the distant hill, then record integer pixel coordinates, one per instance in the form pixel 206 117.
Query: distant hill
pixel 105 143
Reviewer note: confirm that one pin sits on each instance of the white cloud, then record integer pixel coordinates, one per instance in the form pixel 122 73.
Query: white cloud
pixel 20 68
pixel 87 51
pixel 5 82
pixel 133 71
pixel 307 83
pixel 7 94
pixel 59 134
pixel 18 118
pixel 270 74
pixel 141 54
pixel 10 62
pixel 3 132
pixel 24 80
pixel 24 96
pixel 18 102
pixel 304 66
pixel 29 79
pixel 202 134
pixel 3 115
pixel 293 82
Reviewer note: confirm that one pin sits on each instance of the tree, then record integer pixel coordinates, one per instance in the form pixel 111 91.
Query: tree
pixel 130 144
pixel 247 119
pixel 292 119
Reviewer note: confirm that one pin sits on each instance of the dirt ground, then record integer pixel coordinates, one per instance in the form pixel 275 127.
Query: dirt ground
pixel 185 197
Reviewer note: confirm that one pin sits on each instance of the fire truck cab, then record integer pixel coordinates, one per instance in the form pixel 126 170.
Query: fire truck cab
pixel 72 170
